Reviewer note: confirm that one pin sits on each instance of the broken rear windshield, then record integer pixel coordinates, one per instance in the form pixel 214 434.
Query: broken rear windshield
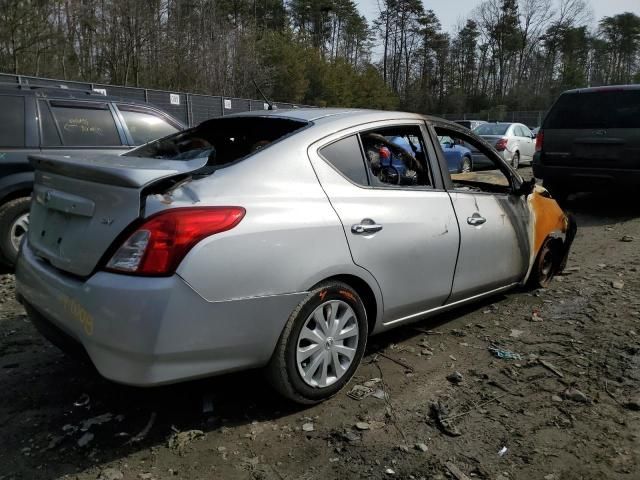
pixel 221 140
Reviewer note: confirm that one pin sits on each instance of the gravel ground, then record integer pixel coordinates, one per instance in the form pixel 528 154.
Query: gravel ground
pixel 563 404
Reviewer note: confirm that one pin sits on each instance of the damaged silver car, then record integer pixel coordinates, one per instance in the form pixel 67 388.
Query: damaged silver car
pixel 279 240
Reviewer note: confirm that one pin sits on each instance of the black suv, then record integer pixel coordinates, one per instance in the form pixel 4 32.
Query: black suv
pixel 590 140
pixel 61 122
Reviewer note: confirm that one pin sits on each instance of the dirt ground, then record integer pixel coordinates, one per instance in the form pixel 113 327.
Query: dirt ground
pixel 561 403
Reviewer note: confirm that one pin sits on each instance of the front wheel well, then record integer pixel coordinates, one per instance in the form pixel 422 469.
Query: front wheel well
pixel 364 291
pixel 20 193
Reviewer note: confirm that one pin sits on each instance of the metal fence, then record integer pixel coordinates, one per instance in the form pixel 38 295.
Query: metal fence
pixel 531 118
pixel 190 108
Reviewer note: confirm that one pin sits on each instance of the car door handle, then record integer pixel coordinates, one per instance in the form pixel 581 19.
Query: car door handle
pixel 476 219
pixel 366 226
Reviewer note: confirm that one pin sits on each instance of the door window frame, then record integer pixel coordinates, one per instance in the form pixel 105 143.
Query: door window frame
pixel 513 177
pixel 430 154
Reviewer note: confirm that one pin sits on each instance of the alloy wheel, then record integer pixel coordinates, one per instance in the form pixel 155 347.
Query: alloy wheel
pixel 18 229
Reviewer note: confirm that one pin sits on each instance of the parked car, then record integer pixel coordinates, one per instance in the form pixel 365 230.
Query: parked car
pixel 61 122
pixel 590 140
pixel 459 159
pixel 513 141
pixel 470 124
pixel 273 239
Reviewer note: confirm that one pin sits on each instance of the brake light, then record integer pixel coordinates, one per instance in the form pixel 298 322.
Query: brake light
pixel 501 144
pixel 158 246
pixel 539 140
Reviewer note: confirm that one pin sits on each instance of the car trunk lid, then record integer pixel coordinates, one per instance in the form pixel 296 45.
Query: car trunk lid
pixel 81 205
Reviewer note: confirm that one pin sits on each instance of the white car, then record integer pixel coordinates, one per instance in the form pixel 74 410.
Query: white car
pixel 513 141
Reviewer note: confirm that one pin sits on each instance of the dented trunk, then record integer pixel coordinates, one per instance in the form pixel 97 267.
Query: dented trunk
pixel 80 206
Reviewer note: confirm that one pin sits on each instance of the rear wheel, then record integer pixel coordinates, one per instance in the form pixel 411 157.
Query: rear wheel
pixel 321 345
pixel 515 160
pixel 466 165
pixel 14 223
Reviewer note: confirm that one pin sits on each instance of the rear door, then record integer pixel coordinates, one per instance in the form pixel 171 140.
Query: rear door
pixel 70 127
pixel 598 129
pixel 398 219
pixel 527 144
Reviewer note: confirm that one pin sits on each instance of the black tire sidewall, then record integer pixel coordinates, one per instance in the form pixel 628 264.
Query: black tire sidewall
pixel 467 160
pixel 515 161
pixel 9 212
pixel 318 297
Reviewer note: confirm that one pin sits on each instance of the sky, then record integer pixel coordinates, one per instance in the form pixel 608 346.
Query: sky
pixel 450 12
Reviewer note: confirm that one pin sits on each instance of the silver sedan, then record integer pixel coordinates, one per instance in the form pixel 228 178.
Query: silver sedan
pixel 281 240
pixel 513 141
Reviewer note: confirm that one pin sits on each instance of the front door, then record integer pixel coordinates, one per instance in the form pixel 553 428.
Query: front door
pixel 494 243
pixel 398 220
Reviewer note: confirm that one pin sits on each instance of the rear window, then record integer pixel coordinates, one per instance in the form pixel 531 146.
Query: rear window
pixel 86 125
pixel 11 121
pixel 604 109
pixel 221 140
pixel 491 129
pixel 145 126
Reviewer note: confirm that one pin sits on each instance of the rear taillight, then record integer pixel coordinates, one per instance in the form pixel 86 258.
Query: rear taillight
pixel 501 144
pixel 158 246
pixel 539 140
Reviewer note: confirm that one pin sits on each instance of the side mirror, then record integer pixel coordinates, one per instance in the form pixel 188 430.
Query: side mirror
pixel 526 188
pixel 533 135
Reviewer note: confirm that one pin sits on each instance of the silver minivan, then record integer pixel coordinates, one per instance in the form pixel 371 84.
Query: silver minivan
pixel 277 240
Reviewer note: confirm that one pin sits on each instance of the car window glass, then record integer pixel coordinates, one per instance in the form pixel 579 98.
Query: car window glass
pixel 346 156
pixel 490 179
pixel 50 135
pixel 396 156
pixel 444 140
pixel 600 109
pixel 491 129
pixel 145 126
pixel 11 121
pixel 86 125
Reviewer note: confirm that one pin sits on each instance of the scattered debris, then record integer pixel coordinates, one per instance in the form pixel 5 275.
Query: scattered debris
pixel 390 471
pixel 515 333
pixel 145 476
pixel 502 451
pixel 456 472
pixel 439 413
pixel 83 401
pixel 455 377
pixel 350 436
pixel 505 354
pixel 617 284
pixel 399 362
pixel 535 316
pixel 421 446
pixel 362 426
pixel 551 367
pixel 145 431
pixel 627 238
pixel 99 420
pixel 575 395
pixel 180 440
pixel 556 398
pixel 359 392
pixel 110 474
pixel 308 427
pixel 84 440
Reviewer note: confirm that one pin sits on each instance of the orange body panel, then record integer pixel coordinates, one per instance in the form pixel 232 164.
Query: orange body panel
pixel 548 217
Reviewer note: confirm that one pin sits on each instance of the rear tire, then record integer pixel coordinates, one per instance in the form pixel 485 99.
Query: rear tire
pixel 515 160
pixel 311 361
pixel 14 221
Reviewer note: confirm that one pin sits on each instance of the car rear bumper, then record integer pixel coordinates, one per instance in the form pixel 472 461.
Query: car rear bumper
pixel 150 331
pixel 575 178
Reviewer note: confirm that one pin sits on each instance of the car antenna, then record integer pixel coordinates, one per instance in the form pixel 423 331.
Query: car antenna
pixel 267 101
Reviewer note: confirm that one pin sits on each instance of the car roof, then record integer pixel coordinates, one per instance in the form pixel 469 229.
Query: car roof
pixel 607 88
pixel 58 93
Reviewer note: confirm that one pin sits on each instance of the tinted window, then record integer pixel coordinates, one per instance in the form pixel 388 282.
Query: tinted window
pixel 145 126
pixel 50 135
pixel 11 121
pixel 604 109
pixel 491 129
pixel 86 125
pixel 396 156
pixel 346 156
